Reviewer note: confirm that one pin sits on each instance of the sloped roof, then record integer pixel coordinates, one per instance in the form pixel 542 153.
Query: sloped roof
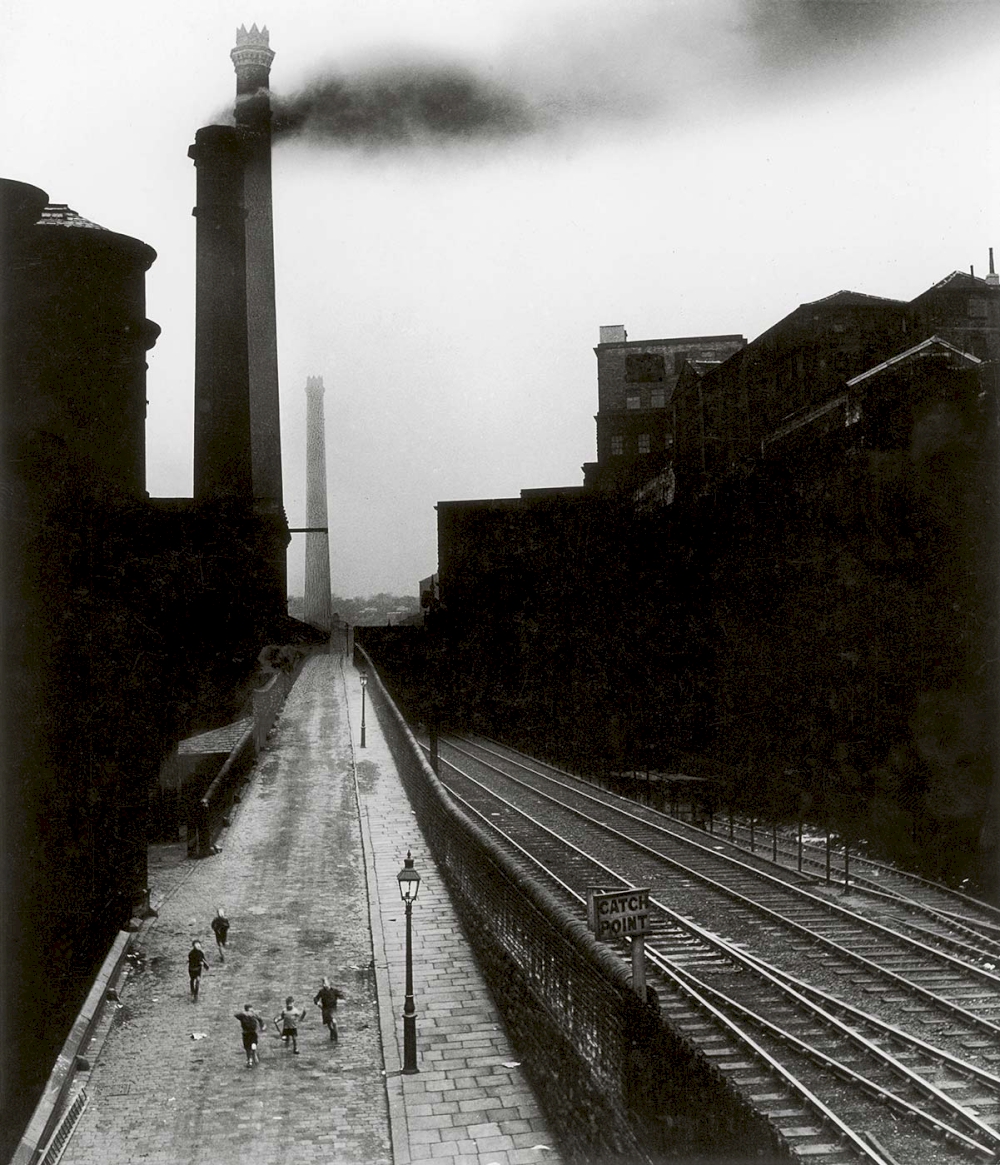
pixel 58 214
pixel 914 353
pixel 851 299
pixel 957 280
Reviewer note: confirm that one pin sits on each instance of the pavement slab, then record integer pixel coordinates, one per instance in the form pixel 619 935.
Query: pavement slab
pixel 307 875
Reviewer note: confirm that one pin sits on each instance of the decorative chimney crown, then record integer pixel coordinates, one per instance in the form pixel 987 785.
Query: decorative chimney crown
pixel 314 384
pixel 252 48
pixel 258 36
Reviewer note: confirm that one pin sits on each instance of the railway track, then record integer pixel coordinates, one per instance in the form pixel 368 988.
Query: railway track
pixel 753 971
pixel 898 893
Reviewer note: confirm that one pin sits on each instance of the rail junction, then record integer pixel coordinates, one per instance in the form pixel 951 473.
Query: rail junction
pixel 862 1018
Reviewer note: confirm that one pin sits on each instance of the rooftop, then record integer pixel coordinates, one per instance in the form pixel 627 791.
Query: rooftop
pixel 58 214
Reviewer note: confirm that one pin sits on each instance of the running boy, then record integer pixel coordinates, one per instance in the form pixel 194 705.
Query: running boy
pixel 252 1025
pixel 327 997
pixel 289 1026
pixel 196 961
pixel 220 924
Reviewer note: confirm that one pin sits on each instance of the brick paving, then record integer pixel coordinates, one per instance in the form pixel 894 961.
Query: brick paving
pixel 297 871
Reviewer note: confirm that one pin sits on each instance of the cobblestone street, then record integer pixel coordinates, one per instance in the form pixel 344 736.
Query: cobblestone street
pixel 291 878
pixel 170 1082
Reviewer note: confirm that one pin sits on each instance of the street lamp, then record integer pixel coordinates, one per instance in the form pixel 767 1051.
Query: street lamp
pixel 409 884
pixel 364 684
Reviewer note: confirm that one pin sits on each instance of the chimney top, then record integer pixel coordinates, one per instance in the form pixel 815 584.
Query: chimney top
pixel 613 334
pixel 993 279
pixel 256 36
pixel 252 49
pixel 314 384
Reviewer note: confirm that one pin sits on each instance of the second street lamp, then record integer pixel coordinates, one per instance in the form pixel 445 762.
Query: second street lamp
pixel 364 684
pixel 409 884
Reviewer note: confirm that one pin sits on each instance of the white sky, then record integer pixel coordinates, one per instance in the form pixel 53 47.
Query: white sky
pixel 706 166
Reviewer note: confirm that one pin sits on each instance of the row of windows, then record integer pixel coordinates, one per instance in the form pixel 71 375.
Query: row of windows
pixel 642 444
pixel 657 399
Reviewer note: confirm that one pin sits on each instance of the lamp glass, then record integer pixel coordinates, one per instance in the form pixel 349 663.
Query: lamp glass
pixel 409 881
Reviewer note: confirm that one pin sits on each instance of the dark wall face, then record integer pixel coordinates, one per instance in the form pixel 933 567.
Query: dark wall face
pixel 78 368
pixel 74 341
pixel 819 629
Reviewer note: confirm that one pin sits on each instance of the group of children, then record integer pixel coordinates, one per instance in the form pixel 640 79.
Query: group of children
pixel 251 1023
pixel 287 1021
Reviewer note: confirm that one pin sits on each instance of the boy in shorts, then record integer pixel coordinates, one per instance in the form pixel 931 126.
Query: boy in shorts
pixel 196 963
pixel 327 997
pixel 289 1025
pixel 220 925
pixel 252 1025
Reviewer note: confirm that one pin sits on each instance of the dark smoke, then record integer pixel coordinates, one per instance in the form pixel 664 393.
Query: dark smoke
pixel 620 66
pixel 404 105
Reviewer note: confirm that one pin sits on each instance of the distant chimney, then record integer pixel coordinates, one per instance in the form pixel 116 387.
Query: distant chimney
pixel 317 608
pixel 992 279
pixel 613 334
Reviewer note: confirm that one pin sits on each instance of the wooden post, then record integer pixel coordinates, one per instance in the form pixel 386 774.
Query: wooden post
pixel 639 966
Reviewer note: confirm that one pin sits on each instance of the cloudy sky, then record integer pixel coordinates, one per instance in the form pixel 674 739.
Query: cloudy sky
pixel 464 192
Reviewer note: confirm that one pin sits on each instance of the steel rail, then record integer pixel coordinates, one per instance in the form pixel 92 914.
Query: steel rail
pixel 844 1072
pixel 785 984
pixel 782 982
pixel 761 875
pixel 961 1067
pixel 673 972
pixel 819 858
pixel 865 885
pixel 989 946
pixel 906 875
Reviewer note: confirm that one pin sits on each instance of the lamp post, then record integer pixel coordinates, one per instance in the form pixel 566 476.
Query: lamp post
pixel 409 884
pixel 364 685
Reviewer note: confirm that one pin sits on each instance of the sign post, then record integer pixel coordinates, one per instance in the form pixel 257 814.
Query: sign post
pixel 613 914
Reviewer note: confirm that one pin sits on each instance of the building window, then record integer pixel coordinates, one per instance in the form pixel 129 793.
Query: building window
pixel 616 447
pixel 633 401
pixel 658 399
pixel 643 442
pixel 643 367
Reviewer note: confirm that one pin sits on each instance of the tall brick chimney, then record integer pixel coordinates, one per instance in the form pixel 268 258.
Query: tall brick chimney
pixel 252 59
pixel 222 428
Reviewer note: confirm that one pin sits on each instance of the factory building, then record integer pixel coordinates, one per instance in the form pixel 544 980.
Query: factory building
pixel 780 571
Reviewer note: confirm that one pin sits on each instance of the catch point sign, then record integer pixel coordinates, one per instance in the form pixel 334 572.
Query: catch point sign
pixel 619 913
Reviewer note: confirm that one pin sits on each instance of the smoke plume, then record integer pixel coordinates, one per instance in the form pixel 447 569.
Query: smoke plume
pixel 628 64
pixel 405 104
